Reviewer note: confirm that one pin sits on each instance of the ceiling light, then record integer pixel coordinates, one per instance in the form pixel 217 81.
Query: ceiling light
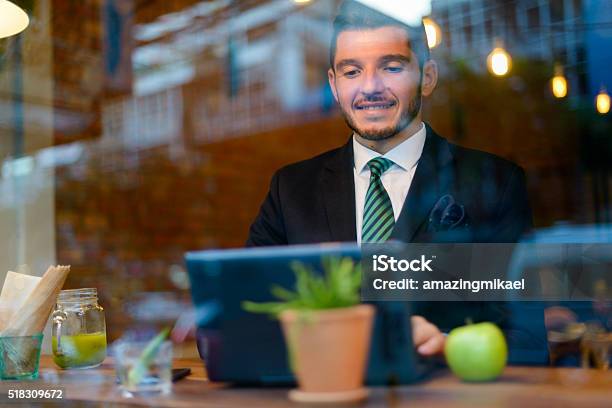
pixel 558 83
pixel 499 61
pixel 603 102
pixel 13 19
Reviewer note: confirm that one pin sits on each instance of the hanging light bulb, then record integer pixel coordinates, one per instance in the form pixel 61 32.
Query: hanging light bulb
pixel 558 83
pixel 13 19
pixel 499 61
pixel 602 102
pixel 433 32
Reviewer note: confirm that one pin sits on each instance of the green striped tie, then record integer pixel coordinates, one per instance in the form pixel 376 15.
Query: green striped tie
pixel 378 219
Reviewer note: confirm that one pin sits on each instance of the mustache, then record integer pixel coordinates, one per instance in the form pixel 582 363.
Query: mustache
pixel 374 99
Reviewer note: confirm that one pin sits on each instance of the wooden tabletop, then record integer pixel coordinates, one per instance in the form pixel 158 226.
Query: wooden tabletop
pixel 519 386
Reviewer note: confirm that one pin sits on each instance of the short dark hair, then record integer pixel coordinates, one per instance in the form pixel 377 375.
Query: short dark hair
pixel 356 16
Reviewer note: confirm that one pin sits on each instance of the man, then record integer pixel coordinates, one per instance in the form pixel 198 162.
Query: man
pixel 395 178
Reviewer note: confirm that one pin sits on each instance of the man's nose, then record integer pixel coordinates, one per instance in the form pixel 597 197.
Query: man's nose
pixel 372 84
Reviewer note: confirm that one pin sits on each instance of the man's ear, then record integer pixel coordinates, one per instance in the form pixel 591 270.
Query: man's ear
pixel 331 77
pixel 430 77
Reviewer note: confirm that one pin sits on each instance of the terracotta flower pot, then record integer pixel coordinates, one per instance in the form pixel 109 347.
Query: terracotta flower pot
pixel 328 351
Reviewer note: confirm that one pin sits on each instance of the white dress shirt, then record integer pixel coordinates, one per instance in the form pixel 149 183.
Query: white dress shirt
pixel 396 179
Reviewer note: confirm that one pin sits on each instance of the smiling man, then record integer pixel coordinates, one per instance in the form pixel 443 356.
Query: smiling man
pixel 377 80
pixel 395 178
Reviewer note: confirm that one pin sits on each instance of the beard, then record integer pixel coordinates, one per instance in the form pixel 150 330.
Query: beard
pixel 407 116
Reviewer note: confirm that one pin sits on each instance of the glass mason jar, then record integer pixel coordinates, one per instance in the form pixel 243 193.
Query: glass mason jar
pixel 79 329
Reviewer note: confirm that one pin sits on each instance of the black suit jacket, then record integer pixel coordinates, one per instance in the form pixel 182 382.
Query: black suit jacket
pixel 313 201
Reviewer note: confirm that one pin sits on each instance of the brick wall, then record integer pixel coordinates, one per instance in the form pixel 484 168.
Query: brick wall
pixel 78 69
pixel 122 225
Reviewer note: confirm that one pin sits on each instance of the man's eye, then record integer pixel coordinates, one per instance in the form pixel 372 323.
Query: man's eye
pixel 352 73
pixel 394 69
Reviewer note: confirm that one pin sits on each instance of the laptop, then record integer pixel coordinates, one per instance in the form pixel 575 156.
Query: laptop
pixel 248 349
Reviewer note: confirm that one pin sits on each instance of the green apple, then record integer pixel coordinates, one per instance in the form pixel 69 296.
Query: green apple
pixel 476 352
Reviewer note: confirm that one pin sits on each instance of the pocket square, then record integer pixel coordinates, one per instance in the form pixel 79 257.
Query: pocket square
pixel 447 215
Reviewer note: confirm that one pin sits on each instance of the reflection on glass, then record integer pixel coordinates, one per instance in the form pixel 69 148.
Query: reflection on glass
pixel 434 34
pixel 152 128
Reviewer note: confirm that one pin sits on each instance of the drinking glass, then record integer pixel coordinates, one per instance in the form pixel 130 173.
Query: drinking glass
pixel 138 379
pixel 19 357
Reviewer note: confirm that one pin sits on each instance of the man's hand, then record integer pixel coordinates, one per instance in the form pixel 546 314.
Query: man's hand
pixel 427 339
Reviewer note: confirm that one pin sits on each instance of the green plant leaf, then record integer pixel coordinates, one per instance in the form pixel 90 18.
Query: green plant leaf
pixel 271 308
pixel 283 294
pixel 337 287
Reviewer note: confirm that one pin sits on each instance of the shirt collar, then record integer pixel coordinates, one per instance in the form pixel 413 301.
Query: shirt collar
pixel 405 155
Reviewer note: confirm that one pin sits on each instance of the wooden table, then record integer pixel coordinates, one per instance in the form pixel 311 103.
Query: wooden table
pixel 519 386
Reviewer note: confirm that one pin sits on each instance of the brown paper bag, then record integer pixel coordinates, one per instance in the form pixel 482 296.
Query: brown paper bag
pixel 16 289
pixel 33 315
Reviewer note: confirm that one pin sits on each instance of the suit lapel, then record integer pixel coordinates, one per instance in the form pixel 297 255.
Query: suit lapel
pixel 338 188
pixel 432 179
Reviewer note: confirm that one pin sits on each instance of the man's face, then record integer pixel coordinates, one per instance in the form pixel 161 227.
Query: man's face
pixel 377 81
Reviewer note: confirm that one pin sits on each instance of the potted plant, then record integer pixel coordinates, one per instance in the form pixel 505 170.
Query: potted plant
pixel 326 330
